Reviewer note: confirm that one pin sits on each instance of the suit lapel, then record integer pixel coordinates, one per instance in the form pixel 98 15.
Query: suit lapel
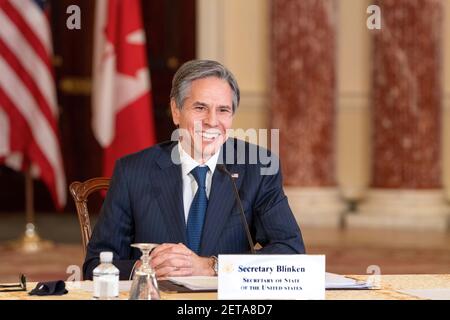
pixel 168 180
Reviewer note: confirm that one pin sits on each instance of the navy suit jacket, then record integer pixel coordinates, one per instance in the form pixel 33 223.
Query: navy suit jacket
pixel 145 204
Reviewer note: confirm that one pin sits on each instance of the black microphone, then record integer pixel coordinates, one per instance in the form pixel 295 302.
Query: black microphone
pixel 222 168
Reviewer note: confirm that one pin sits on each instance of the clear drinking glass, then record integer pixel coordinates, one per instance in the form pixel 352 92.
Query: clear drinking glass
pixel 144 285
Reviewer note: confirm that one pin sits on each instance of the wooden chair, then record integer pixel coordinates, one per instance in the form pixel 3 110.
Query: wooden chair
pixel 80 192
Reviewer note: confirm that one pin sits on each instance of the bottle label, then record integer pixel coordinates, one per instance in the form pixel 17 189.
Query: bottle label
pixel 106 286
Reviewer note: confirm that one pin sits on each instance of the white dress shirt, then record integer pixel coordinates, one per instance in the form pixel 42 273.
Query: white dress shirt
pixel 190 185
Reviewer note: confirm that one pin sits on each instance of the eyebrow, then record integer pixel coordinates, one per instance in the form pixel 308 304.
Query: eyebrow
pixel 203 104
pixel 198 103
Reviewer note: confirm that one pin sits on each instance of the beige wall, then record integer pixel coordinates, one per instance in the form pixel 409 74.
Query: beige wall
pixel 236 33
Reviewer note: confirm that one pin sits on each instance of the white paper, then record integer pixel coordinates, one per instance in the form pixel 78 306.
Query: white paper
pixel 196 283
pixel 336 281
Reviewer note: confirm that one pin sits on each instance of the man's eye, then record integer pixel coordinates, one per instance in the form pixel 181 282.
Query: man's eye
pixel 225 110
pixel 199 108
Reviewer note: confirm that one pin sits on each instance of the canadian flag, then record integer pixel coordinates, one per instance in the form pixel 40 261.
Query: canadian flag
pixel 122 115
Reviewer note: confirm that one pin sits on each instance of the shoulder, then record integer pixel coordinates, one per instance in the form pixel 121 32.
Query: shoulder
pixel 148 156
pixel 237 151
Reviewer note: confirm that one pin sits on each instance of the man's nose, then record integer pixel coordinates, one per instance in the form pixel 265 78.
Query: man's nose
pixel 211 119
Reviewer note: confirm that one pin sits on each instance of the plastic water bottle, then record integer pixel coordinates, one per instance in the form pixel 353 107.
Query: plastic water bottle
pixel 106 278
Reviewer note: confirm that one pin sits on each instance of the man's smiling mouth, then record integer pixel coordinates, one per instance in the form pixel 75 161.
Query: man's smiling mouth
pixel 209 135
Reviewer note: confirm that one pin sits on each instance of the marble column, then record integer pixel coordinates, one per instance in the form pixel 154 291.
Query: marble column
pixel 303 100
pixel 406 189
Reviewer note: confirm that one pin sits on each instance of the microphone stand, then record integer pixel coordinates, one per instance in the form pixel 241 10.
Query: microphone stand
pixel 222 168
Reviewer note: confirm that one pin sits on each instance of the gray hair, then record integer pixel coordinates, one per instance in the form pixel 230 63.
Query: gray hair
pixel 199 69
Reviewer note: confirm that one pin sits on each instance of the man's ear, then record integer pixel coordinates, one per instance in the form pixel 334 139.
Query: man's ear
pixel 175 112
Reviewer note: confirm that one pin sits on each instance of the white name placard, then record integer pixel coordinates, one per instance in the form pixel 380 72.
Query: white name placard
pixel 280 276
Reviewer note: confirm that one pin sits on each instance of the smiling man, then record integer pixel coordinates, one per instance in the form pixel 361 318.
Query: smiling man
pixel 174 195
pixel 204 115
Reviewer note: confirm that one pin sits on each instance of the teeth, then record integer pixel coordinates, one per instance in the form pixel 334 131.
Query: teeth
pixel 209 135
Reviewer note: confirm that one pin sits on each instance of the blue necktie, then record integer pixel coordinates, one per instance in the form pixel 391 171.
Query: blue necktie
pixel 197 211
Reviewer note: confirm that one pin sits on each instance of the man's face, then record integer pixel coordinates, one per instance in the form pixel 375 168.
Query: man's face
pixel 206 114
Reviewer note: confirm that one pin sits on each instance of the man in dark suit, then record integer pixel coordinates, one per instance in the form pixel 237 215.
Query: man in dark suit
pixel 173 193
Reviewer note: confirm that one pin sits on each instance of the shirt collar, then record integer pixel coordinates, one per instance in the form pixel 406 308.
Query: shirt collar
pixel 188 163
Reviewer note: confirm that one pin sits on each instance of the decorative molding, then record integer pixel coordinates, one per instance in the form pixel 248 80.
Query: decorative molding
pixel 57 61
pixel 353 101
pixel 254 102
pixel 402 209
pixel 76 86
pixel 316 207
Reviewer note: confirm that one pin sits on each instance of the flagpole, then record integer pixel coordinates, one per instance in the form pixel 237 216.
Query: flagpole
pixel 30 241
pixel 29 198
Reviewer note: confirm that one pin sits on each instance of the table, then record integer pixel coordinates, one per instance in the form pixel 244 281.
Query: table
pixel 390 289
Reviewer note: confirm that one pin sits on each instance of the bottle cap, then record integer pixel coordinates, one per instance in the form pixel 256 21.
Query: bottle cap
pixel 106 256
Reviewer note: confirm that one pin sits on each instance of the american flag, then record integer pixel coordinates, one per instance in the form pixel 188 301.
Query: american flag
pixel 29 136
